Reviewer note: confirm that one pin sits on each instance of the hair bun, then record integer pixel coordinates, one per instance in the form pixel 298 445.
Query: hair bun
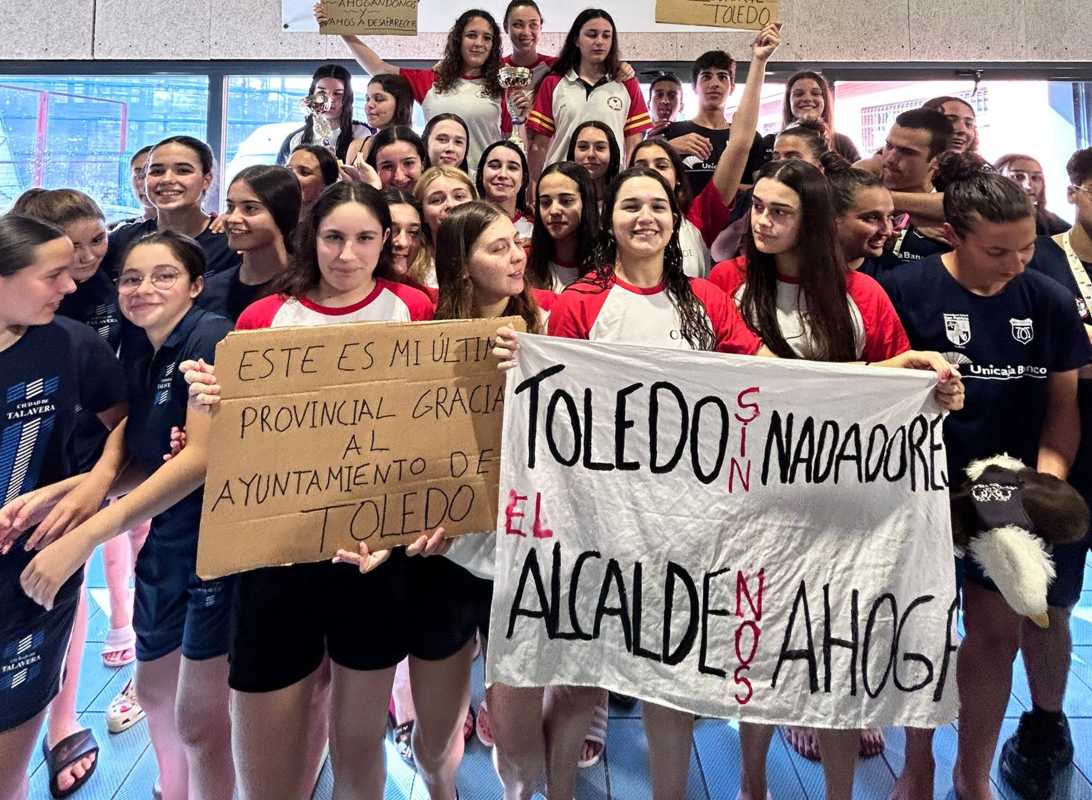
pixel 954 167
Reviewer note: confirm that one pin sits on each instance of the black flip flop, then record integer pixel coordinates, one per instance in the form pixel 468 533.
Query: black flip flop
pixel 66 753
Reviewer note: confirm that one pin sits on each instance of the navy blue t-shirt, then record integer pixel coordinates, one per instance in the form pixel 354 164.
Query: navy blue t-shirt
pixel 909 244
pixel 1051 260
pixel 217 253
pixel 226 295
pixel 158 395
pixel 47 377
pixel 95 304
pixel 1005 346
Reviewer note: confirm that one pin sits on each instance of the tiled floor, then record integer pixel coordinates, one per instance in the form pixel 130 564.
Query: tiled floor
pixel 127 765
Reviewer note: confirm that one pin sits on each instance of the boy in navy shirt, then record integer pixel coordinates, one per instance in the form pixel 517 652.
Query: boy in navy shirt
pixel 1019 344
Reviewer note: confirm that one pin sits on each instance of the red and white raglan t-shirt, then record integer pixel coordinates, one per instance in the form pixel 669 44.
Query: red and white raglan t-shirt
pixel 388 302
pixel 486 117
pixel 709 213
pixel 877 329
pixel 525 226
pixel 564 102
pixel 627 314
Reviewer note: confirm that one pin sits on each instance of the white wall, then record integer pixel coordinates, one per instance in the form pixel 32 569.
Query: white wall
pixel 975 31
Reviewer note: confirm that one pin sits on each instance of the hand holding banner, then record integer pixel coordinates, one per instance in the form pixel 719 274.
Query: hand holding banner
pixel 732 536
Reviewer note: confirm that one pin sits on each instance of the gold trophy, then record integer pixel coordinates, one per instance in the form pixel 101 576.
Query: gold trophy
pixel 316 105
pixel 514 79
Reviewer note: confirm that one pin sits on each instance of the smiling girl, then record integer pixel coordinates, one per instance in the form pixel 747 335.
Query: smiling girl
pixel 502 179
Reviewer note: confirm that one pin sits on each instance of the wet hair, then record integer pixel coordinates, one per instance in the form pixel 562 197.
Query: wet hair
pixel 827 116
pixel 279 190
pixel 615 164
pixel 1005 163
pixel 976 192
pixel 543 247
pixel 931 120
pixel 822 275
pixel 327 163
pixel 399 88
pixel 451 66
pixel 184 248
pixel 20 236
pixel 816 135
pixel 60 207
pixel 1079 166
pixel 204 152
pixel 303 273
pixel 141 152
pixel 846 181
pixel 432 123
pixel 512 6
pixel 455 241
pixel 345 120
pixel 521 194
pixel 683 195
pixel 713 59
pixel 569 57
pixel 694 322
pixel 418 270
pixel 391 135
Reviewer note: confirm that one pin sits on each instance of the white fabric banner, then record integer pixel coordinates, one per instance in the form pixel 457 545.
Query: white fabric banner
pixel 733 536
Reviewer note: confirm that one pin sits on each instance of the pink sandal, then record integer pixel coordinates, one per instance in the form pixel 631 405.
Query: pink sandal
pixel 119 649
pixel 597 734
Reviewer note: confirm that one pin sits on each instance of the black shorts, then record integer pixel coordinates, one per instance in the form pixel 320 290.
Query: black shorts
pixel 173 608
pixel 33 641
pixel 288 618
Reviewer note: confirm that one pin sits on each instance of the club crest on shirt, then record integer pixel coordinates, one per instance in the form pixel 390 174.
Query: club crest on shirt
pixel 163 387
pixel 1022 330
pixel 614 103
pixel 957 327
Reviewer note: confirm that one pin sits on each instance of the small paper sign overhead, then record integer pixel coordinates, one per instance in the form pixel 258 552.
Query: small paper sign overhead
pixel 748 15
pixel 333 435
pixel 370 17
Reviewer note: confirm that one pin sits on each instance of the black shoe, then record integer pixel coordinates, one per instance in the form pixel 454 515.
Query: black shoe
pixel 1033 757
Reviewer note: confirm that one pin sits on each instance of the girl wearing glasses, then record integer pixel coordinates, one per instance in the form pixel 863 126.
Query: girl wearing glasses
pixel 181 621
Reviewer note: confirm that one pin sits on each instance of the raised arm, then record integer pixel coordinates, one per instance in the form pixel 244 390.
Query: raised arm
pixel 729 172
pixel 364 55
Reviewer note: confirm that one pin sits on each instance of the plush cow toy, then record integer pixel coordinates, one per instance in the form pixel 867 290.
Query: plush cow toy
pixel 1007 517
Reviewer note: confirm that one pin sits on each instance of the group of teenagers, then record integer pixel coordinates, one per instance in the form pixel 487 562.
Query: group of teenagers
pixel 600 223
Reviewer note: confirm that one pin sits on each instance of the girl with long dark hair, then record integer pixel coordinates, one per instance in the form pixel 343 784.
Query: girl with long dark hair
pixel 594 147
pixel 315 169
pixel 584 84
pixel 398 157
pixel 263 207
pixel 502 179
pixel 389 102
pixel 465 81
pixel 334 81
pixel 446 139
pixel 566 227
pixel 808 97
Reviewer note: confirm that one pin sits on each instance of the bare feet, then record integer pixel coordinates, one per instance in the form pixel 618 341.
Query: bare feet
pixel 872 742
pixel 913 785
pixel 965 789
pixel 804 741
pixel 591 750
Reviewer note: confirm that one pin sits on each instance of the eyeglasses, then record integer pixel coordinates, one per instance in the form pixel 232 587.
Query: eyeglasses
pixel 1087 190
pixel 129 282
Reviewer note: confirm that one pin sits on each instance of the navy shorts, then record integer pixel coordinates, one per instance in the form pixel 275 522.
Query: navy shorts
pixel 1064 592
pixel 287 619
pixel 174 608
pixel 33 641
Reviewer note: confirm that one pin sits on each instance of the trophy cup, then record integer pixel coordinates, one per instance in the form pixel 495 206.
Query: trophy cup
pixel 316 105
pixel 514 79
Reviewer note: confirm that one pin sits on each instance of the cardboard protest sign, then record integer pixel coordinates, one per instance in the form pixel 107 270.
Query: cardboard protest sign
pixel 370 17
pixel 336 434
pixel 732 536
pixel 749 15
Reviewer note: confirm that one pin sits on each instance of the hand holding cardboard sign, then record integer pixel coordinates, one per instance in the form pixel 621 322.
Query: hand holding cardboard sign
pixel 506 348
pixel 364 560
pixel 201 377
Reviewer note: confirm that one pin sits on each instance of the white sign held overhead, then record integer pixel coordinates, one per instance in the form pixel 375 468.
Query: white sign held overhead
pixel 437 16
pixel 732 536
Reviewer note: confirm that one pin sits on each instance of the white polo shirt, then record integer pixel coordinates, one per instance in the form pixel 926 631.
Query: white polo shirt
pixel 564 102
pixel 486 117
